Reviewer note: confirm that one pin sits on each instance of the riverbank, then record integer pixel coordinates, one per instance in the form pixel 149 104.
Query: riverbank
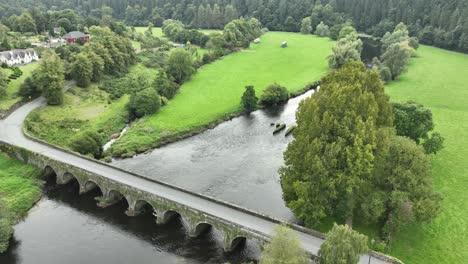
pixel 437 79
pixel 213 94
pixel 12 101
pixel 20 188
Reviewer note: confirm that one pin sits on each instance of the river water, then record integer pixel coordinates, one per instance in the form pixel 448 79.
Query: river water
pixel 236 162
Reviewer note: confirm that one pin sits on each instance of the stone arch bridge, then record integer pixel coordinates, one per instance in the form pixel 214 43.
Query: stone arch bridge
pixel 167 202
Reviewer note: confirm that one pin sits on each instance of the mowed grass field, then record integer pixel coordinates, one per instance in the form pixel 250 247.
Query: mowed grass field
pixel 215 91
pixel 439 80
pixel 14 85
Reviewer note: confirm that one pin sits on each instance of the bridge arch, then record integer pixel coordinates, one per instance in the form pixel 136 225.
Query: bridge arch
pixel 199 229
pixel 67 177
pixel 164 217
pixel 230 244
pixel 138 207
pixel 110 197
pixel 50 174
pixel 89 186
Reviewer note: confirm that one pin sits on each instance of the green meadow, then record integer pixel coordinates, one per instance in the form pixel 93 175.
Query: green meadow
pixel 215 91
pixel 438 79
pixel 14 85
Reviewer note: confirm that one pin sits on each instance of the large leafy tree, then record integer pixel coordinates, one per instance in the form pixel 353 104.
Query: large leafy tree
pixel 414 121
pixel 49 77
pixel 332 154
pixel 345 50
pixel 342 245
pixel 396 58
pixel 284 247
pixel 144 102
pixel 403 180
pixel 179 65
pixel 306 26
pixel 82 70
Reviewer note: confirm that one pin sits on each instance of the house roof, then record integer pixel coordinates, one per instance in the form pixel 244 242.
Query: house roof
pixel 14 54
pixel 75 35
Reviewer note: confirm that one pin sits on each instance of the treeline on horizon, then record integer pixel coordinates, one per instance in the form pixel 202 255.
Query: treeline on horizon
pixel 435 22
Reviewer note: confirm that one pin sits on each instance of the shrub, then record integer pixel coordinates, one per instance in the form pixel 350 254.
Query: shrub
pixel 89 143
pixel 274 94
pixel 249 99
pixel 145 102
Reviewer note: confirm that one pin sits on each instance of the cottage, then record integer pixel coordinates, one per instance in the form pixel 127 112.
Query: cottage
pixel 74 36
pixel 18 57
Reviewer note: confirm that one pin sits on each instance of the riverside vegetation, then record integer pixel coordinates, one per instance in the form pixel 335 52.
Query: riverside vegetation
pixel 20 188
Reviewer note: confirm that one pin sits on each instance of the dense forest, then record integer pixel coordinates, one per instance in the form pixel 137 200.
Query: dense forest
pixel 435 22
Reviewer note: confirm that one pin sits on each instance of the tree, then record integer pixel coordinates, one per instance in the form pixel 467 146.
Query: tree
pixel 342 245
pixel 397 57
pixel 403 176
pixel 345 50
pixel 306 25
pixel 164 86
pixel 433 144
pixel 179 65
pixel 82 70
pixel 249 99
pixel 97 64
pixel 88 143
pixel 274 94
pixel 347 30
pixel 322 30
pixel 284 247
pixel 144 102
pixel 413 120
pixel 49 78
pixel 332 154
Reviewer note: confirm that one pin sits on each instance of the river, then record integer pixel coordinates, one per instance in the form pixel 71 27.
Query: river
pixel 237 162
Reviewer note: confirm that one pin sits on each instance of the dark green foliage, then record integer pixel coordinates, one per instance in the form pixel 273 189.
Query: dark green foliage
pixel 89 143
pixel 144 102
pixel 414 121
pixel 403 178
pixel 176 32
pixel 249 99
pixel 434 144
pixel 274 94
pixel 335 143
pixel 240 32
pixel 342 245
pixel 49 78
pixel 179 65
pixel 82 70
pixel 29 88
pixel 164 86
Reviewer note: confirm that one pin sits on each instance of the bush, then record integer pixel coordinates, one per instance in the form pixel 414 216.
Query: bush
pixel 145 102
pixel 89 143
pixel 249 100
pixel 274 94
pixel 385 74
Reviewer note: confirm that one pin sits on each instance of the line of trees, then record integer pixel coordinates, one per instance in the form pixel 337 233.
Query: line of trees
pixel 443 24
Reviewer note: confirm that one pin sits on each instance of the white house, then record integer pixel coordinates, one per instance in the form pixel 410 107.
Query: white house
pixel 18 57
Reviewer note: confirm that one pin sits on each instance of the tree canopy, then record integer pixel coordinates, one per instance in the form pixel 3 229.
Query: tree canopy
pixel 284 247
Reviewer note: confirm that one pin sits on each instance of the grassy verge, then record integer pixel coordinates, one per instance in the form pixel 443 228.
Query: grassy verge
pixel 20 187
pixel 438 79
pixel 214 92
pixel 83 110
pixel 13 87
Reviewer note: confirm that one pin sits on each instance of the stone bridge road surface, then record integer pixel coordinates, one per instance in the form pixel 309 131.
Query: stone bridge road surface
pixel 11 132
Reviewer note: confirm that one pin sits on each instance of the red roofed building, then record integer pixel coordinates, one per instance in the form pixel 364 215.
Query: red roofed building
pixel 74 36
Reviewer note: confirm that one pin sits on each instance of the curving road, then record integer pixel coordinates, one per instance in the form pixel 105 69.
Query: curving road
pixel 11 132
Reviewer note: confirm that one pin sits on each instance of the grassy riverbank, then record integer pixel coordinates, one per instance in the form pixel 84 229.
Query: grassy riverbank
pixel 13 87
pixel 438 79
pixel 83 110
pixel 214 92
pixel 20 188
